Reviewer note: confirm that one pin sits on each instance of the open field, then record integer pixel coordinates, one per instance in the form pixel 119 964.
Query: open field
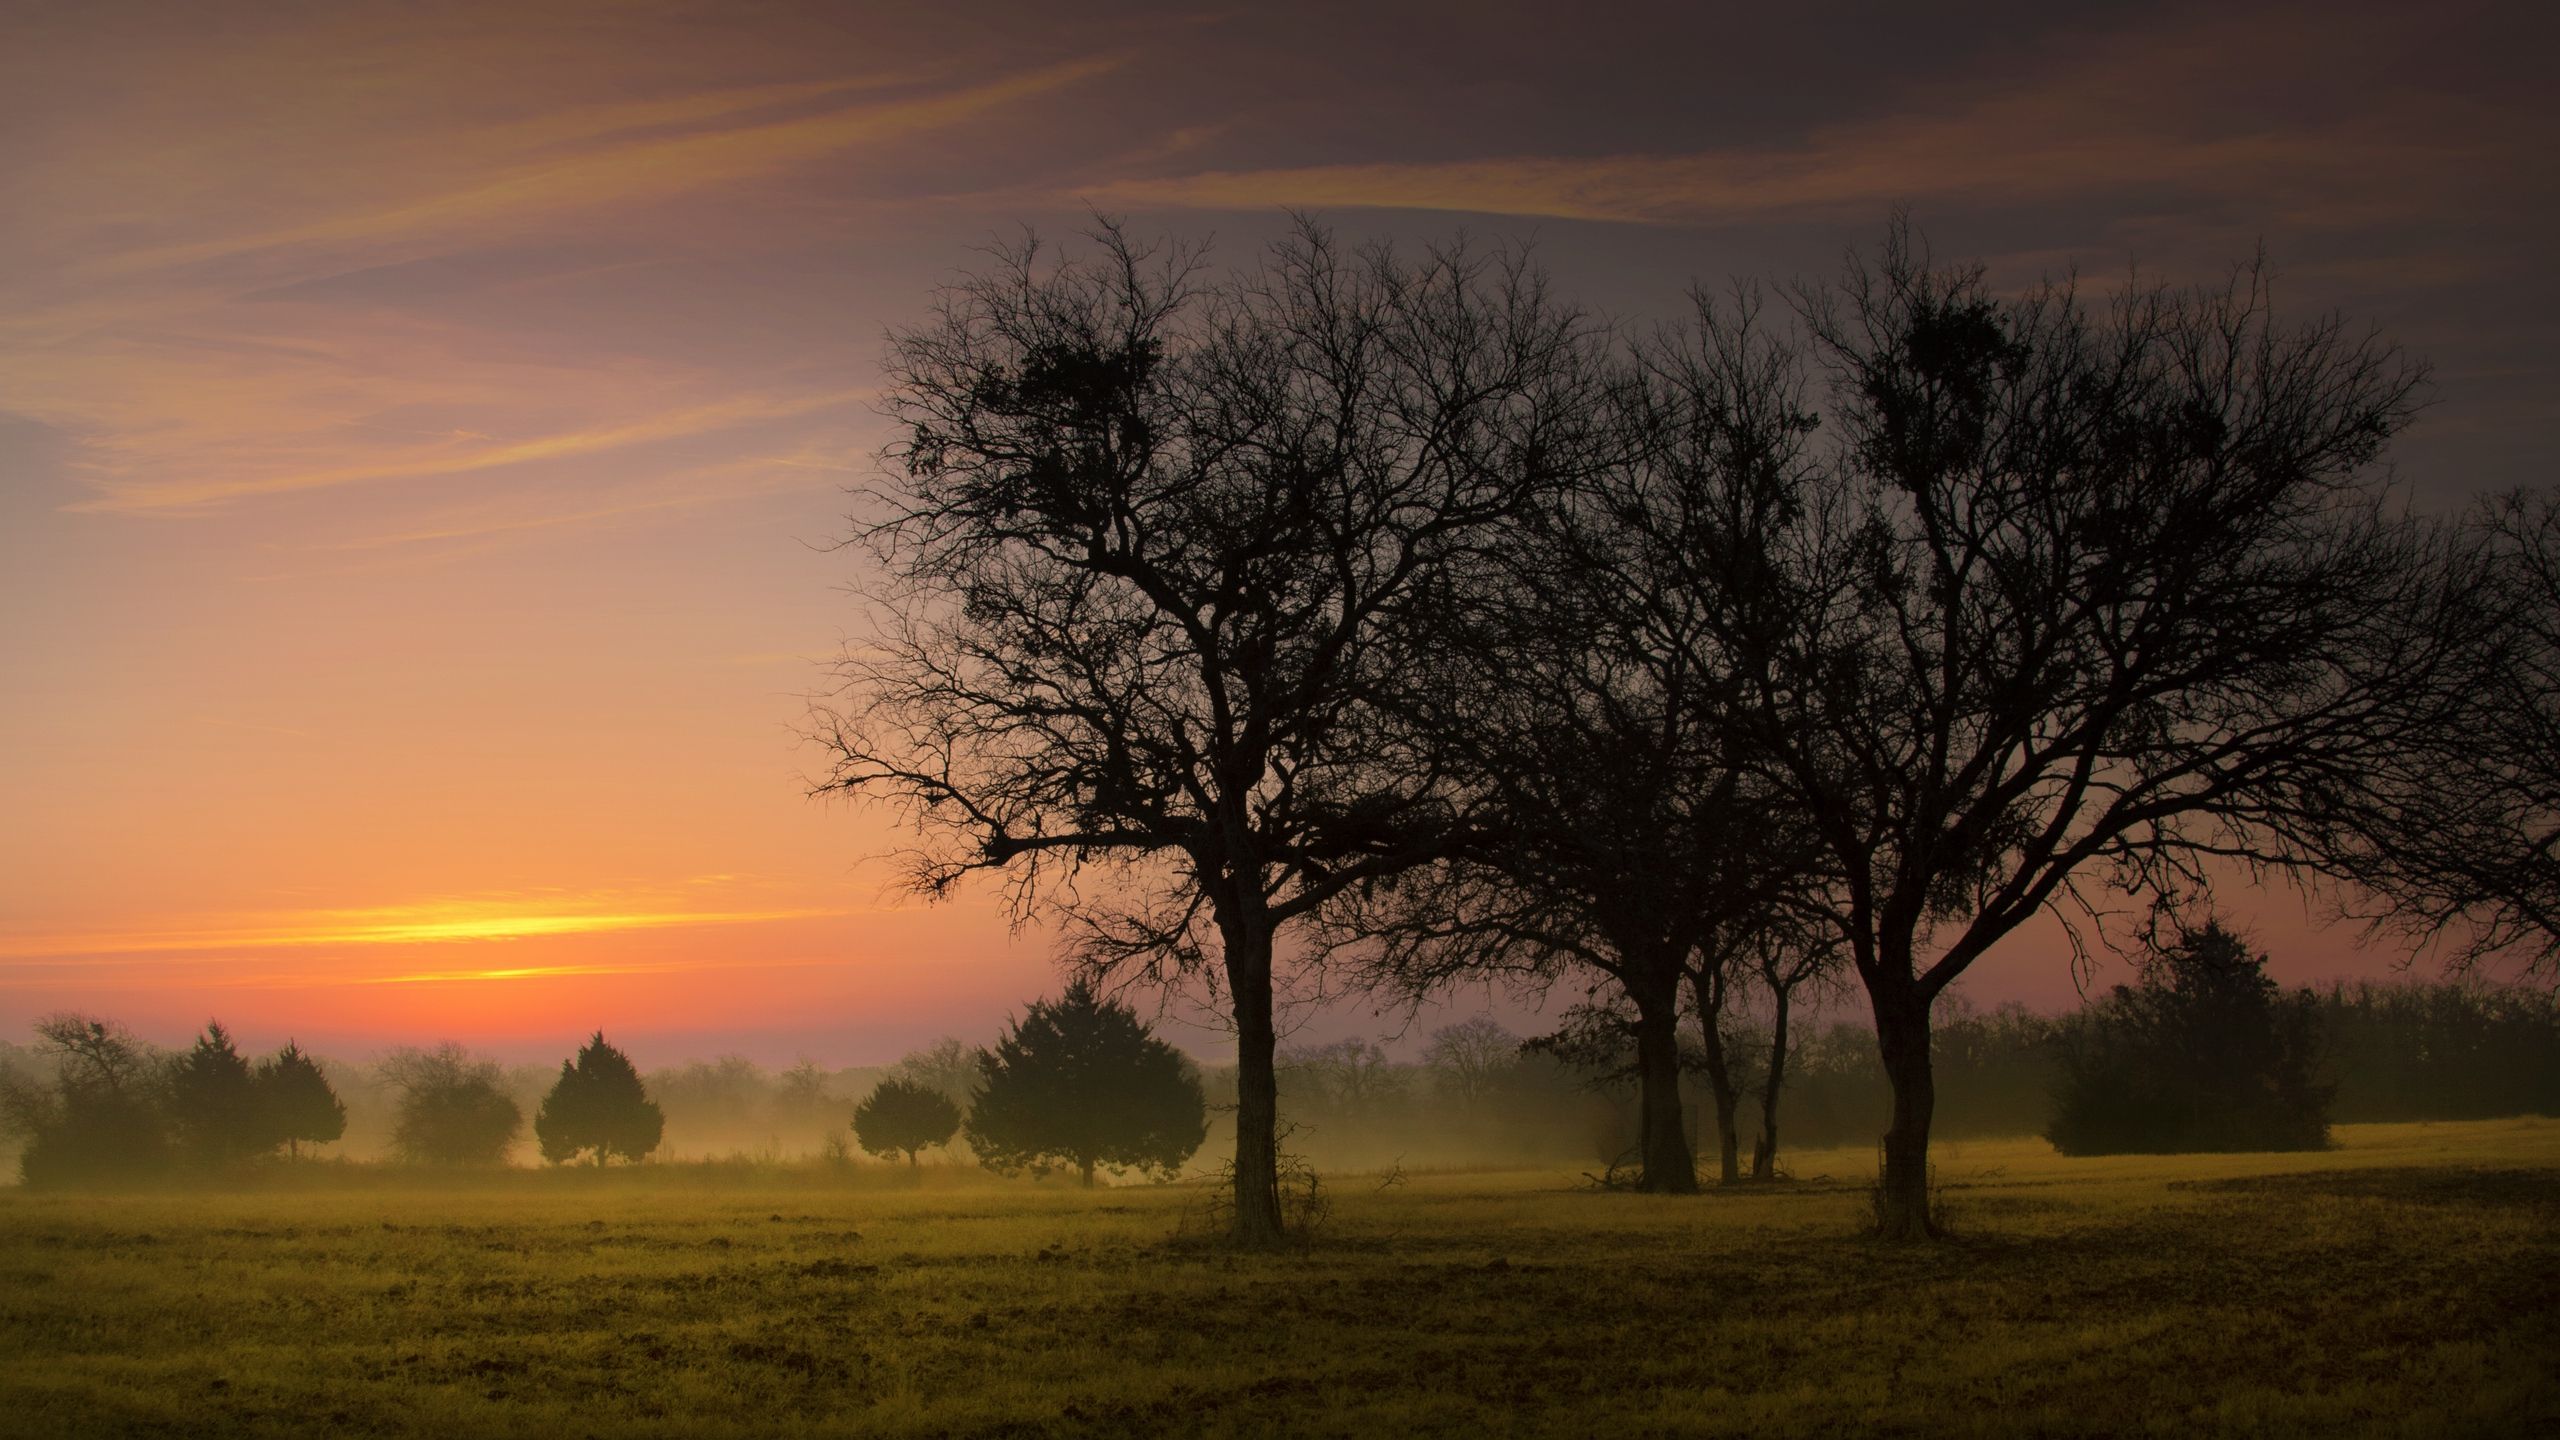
pixel 2401 1284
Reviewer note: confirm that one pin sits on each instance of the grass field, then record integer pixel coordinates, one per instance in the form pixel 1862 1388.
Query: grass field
pixel 2403 1283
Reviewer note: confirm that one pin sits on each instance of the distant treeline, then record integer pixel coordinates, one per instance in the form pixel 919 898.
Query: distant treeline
pixel 1474 1095
pixel 2397 1051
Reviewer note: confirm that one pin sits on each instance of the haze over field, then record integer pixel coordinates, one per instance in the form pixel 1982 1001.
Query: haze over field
pixel 420 431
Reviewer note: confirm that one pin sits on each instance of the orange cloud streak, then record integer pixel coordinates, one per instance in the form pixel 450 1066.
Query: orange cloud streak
pixel 425 923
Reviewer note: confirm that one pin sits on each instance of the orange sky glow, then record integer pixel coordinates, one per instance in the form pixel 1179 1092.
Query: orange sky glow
pixel 422 428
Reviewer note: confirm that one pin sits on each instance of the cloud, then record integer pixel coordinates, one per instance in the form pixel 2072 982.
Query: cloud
pixel 462 452
pixel 422 923
pixel 2204 109
pixel 626 172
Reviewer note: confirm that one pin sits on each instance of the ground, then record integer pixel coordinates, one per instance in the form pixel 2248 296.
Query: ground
pixel 2402 1283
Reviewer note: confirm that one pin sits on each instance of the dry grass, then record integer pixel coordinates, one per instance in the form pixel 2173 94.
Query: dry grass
pixel 2402 1284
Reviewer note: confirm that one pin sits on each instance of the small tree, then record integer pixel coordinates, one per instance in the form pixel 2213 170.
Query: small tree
pixel 214 1104
pixel 1081 1080
pixel 103 1121
pixel 453 1110
pixel 904 1116
pixel 296 1102
pixel 2204 1055
pixel 1469 1059
pixel 598 1106
pixel 949 1065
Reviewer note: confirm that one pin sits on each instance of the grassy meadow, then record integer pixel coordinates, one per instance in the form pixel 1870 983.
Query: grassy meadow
pixel 2402 1283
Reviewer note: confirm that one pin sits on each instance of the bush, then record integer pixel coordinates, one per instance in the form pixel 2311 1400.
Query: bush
pixel 453 1110
pixel 904 1116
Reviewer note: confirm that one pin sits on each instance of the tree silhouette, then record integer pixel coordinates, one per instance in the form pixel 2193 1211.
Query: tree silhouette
pixel 2204 1055
pixel 214 1103
pixel 1786 959
pixel 2083 592
pixel 452 1109
pixel 904 1116
pixel 1471 1058
pixel 598 1106
pixel 1626 836
pixel 1160 563
pixel 2456 842
pixel 1079 1080
pixel 297 1102
pixel 103 1122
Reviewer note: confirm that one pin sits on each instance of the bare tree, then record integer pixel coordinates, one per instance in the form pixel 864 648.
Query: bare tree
pixel 1151 551
pixel 1626 834
pixel 2085 591
pixel 1470 1057
pixel 2457 844
pixel 1786 959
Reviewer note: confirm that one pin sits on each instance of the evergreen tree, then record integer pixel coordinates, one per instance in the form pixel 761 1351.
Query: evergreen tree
pixel 297 1102
pixel 2205 1054
pixel 214 1103
pixel 904 1116
pixel 599 1105
pixel 1080 1081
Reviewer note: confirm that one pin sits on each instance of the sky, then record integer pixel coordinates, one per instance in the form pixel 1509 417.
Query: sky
pixel 422 428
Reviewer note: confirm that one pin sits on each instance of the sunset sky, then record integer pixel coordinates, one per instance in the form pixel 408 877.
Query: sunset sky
pixel 421 426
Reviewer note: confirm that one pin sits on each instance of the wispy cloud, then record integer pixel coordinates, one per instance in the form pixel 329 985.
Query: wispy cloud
pixel 2153 110
pixel 629 171
pixel 462 452
pixel 430 922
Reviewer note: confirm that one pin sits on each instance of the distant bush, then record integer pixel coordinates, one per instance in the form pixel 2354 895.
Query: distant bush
pixel 2204 1054
pixel 903 1117
pixel 453 1110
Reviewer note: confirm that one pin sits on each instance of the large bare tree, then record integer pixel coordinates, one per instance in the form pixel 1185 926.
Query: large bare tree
pixel 1156 557
pixel 2086 592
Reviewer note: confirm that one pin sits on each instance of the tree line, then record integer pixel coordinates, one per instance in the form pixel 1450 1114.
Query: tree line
pixel 1380 615
pixel 1078 1081
pixel 102 1107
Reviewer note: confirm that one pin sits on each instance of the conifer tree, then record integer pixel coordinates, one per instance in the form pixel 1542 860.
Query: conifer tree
pixel 1081 1081
pixel 214 1103
pixel 297 1101
pixel 599 1105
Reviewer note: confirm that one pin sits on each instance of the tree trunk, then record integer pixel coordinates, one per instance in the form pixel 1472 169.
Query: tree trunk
pixel 1727 1098
pixel 1902 1035
pixel 1088 1174
pixel 1764 1155
pixel 1257 1170
pixel 1721 1092
pixel 1663 1143
pixel 912 1162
